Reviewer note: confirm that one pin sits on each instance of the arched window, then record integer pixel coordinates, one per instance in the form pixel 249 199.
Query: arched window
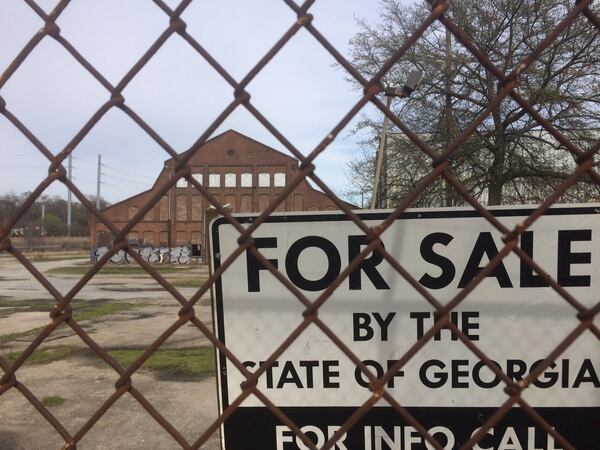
pixel 181 238
pixel 163 208
pixel 263 202
pixel 149 237
pixel 197 211
pixel 181 208
pixel 246 203
pixel 132 211
pixel 298 202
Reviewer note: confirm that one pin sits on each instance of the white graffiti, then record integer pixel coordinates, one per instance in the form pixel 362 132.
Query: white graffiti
pixel 180 255
pixel 153 255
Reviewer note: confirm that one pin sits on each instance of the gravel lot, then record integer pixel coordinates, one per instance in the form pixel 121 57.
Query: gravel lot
pixel 128 312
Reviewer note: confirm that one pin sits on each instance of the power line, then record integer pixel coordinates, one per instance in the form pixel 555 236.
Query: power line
pixel 19 156
pixel 85 161
pixel 126 177
pixel 121 186
pixel 128 172
pixel 18 175
pixel 138 184
pixel 115 188
pixel 11 164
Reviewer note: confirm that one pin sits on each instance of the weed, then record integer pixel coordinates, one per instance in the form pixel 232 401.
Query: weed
pixel 53 400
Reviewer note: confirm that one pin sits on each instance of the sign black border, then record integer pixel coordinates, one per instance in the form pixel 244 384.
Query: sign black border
pixel 340 216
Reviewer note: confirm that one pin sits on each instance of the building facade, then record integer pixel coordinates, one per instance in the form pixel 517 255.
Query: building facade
pixel 236 170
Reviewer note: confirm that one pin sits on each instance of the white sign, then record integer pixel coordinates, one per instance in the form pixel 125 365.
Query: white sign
pixel 512 315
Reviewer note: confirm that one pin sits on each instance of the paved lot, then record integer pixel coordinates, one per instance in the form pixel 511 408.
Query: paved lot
pixel 120 313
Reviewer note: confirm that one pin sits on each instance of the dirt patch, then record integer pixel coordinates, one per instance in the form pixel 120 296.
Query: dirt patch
pixel 9 439
pixel 124 310
pixel 190 407
pixel 20 322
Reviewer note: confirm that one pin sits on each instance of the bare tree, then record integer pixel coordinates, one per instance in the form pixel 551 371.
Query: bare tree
pixel 510 158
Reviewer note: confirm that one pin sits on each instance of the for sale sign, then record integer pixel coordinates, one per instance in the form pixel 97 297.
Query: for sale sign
pixel 513 315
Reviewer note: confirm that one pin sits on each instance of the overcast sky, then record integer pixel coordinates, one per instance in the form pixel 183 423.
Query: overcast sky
pixel 177 92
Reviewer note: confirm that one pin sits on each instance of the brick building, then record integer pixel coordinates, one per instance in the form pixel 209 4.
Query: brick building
pixel 236 169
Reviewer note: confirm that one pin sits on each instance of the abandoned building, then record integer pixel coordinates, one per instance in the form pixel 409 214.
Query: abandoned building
pixel 236 169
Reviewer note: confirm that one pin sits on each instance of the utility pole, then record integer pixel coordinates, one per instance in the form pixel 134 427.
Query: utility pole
pixel 98 181
pixel 449 189
pixel 379 197
pixel 43 215
pixel 69 195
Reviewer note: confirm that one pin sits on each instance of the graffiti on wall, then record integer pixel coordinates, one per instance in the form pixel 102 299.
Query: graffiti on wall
pixel 153 255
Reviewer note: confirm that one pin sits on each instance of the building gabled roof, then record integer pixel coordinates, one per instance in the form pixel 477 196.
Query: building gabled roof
pixel 215 138
pixel 231 131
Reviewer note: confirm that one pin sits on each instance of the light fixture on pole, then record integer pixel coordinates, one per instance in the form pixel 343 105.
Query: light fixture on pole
pixel 390 91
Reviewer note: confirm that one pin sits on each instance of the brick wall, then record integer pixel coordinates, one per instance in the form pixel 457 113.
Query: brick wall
pixel 249 175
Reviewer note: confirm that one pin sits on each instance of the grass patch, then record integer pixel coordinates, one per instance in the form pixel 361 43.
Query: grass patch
pixel 92 309
pixel 116 269
pixel 20 335
pixel 48 354
pixel 188 282
pixel 132 289
pixel 82 310
pixel 53 400
pixel 33 304
pixel 172 364
pixel 191 364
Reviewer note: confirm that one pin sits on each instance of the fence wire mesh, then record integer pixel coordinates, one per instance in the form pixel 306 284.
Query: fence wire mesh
pixel 508 84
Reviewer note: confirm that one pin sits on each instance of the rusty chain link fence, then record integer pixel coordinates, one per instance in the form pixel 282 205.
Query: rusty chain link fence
pixel 62 311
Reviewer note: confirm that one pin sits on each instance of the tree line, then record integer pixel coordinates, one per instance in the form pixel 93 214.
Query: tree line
pixel 55 215
pixel 509 158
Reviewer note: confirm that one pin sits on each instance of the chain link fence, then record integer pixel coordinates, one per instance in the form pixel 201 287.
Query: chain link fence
pixel 440 167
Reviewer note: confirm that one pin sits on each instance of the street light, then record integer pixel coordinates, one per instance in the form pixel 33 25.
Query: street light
pixel 390 91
